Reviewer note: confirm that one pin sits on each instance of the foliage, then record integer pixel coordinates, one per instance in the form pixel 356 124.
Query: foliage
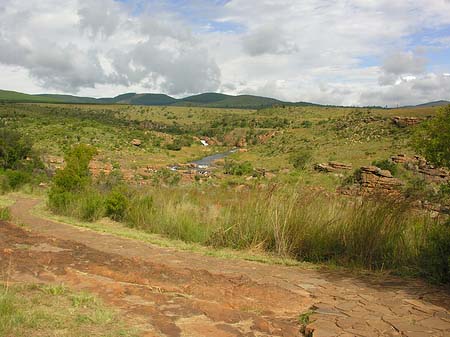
pixel 238 169
pixel 386 164
pixel 73 179
pixel 14 149
pixel 116 204
pixel 5 213
pixel 166 176
pixel 432 138
pixel 300 159
pixel 435 254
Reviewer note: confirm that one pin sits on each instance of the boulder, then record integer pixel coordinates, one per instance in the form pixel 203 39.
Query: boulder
pixel 403 122
pixel 136 142
pixel 372 178
pixel 332 166
pixel 340 166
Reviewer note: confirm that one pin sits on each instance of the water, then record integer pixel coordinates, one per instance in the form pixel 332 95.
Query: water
pixel 206 162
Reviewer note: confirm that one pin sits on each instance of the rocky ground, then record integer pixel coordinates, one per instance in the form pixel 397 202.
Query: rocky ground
pixel 172 293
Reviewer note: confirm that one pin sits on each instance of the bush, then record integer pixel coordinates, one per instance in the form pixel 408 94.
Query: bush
pixel 91 206
pixel 166 176
pixel 300 159
pixel 116 205
pixel 386 165
pixel 140 214
pixel 71 180
pixel 16 179
pixel 5 213
pixel 238 169
pixel 431 138
pixel 435 254
pixel 14 149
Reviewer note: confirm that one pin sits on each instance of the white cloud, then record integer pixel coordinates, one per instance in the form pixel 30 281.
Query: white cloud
pixel 311 50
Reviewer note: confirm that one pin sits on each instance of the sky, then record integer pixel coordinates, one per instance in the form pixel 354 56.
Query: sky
pixel 341 52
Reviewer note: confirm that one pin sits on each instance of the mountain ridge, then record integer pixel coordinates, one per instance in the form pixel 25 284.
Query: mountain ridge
pixel 208 99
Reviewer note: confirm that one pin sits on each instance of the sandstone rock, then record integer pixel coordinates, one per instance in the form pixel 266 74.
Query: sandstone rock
pixel 136 142
pixel 420 165
pixel 340 166
pixel 403 122
pixel 373 178
pixel 332 166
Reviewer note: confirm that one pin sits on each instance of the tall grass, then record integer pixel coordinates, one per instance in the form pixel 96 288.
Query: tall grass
pixel 283 220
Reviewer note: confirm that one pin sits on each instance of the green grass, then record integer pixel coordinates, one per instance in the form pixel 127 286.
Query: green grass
pixel 5 214
pixel 36 310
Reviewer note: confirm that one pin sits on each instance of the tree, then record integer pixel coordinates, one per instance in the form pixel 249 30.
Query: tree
pixel 432 138
pixel 73 179
pixel 14 149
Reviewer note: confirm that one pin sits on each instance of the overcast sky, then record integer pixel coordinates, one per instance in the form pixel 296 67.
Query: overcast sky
pixel 349 52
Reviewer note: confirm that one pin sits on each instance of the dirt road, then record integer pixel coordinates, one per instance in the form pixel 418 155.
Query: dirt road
pixel 166 292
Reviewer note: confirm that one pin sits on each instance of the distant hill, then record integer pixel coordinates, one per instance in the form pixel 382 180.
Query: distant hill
pixel 210 99
pixel 66 98
pixel 433 104
pixel 14 96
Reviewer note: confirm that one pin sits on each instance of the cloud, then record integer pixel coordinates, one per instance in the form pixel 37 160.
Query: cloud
pixel 103 43
pixel 296 50
pixel 268 40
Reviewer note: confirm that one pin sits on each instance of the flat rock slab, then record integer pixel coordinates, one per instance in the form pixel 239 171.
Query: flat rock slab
pixel 178 293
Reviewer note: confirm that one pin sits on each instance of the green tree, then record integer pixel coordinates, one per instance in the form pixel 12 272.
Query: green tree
pixel 432 138
pixel 14 149
pixel 73 179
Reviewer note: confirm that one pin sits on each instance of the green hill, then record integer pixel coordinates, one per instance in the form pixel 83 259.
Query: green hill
pixel 14 96
pixel 210 99
pixel 68 98
pixel 151 99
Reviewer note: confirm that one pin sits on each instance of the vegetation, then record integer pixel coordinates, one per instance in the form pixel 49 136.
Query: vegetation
pixel 18 162
pixel 55 311
pixel 260 198
pixel 432 138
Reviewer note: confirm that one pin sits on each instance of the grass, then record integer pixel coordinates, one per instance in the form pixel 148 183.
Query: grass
pixel 108 226
pixel 54 310
pixel 288 221
pixel 5 214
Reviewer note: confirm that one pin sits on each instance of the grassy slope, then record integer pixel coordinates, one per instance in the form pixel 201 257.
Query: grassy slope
pixel 13 96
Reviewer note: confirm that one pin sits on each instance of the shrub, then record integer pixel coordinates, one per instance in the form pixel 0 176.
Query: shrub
pixel 300 159
pixel 435 254
pixel 166 176
pixel 14 148
pixel 140 214
pixel 73 179
pixel 91 206
pixel 238 169
pixel 307 124
pixel 386 164
pixel 16 179
pixel 5 213
pixel 116 205
pixel 431 138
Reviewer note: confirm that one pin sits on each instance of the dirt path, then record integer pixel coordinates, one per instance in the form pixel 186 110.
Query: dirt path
pixel 171 293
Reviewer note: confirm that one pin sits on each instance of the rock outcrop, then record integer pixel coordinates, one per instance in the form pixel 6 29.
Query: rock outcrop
pixel 332 166
pixel 420 166
pixel 373 179
pixel 403 122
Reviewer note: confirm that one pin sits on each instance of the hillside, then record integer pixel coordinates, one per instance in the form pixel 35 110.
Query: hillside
pixel 433 104
pixel 211 100
pixel 14 96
